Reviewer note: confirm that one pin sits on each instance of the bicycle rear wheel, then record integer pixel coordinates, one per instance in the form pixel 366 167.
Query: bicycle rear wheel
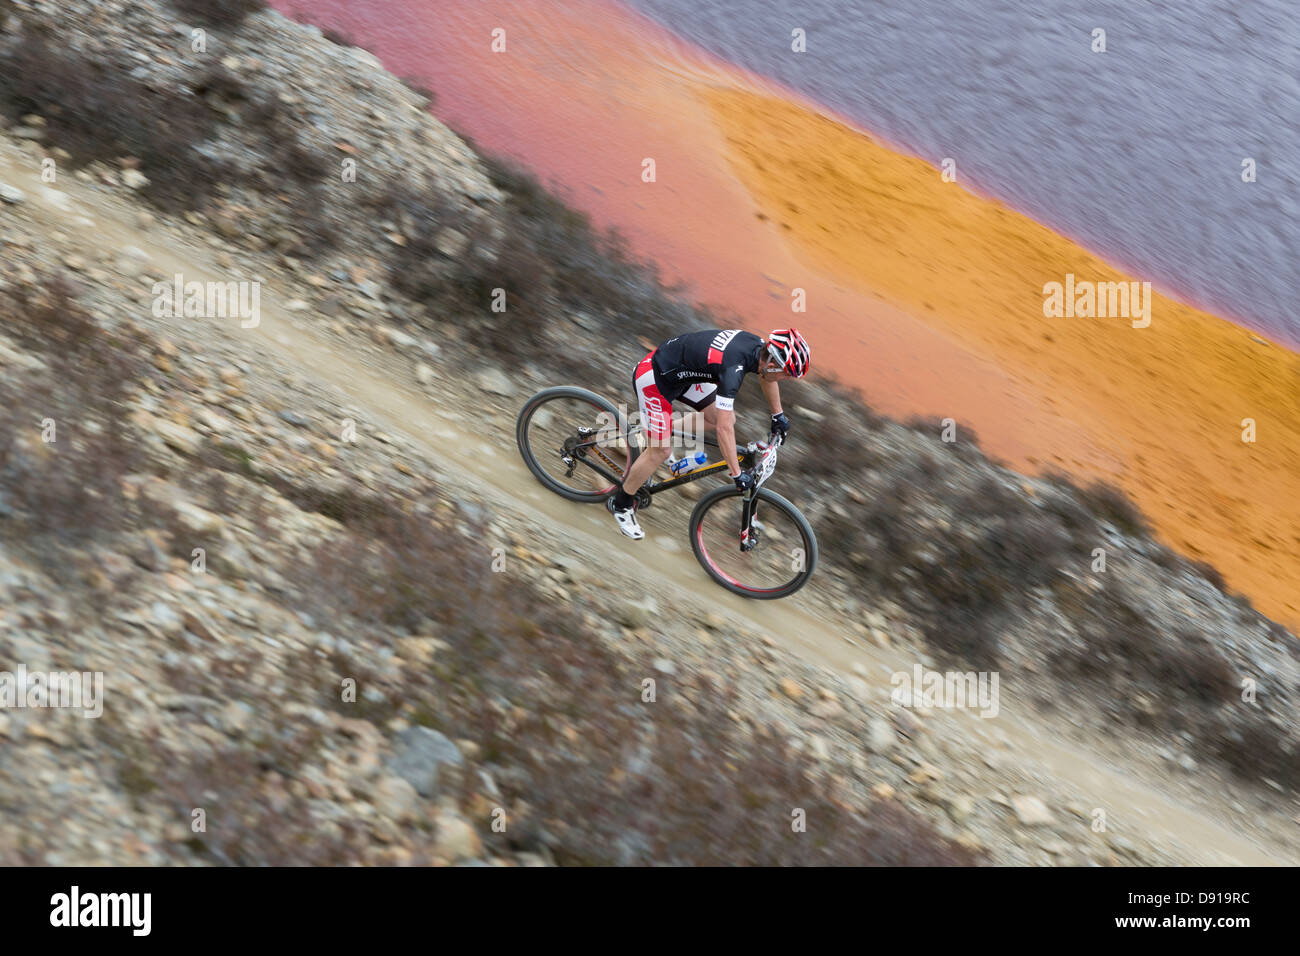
pixel 574 442
pixel 782 559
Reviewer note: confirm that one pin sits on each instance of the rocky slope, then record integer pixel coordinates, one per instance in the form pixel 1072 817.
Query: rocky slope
pixel 236 521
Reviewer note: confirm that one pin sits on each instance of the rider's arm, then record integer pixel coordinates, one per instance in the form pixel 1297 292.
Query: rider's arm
pixel 727 439
pixel 729 383
pixel 772 392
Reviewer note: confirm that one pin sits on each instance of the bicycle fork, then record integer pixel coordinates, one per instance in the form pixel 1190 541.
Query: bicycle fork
pixel 749 525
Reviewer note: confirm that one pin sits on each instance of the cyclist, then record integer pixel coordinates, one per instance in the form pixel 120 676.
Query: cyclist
pixel 704 370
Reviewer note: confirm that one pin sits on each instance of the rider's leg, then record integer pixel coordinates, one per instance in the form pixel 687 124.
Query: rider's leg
pixel 651 458
pixel 655 451
pixel 657 428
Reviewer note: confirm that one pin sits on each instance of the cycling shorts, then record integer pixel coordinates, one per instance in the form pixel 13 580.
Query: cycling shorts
pixel 655 402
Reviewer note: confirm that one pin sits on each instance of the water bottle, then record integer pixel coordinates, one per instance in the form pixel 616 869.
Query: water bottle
pixel 681 466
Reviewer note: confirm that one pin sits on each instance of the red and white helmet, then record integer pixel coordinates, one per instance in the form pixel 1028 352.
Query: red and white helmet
pixel 789 350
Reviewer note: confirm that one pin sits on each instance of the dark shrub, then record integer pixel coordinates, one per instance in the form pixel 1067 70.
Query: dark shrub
pixel 1121 650
pixel 1204 569
pixel 466 289
pixel 960 555
pixel 218 13
pixel 965 440
pixel 337 37
pixel 421 90
pixel 69 489
pixel 97 113
pixel 1111 504
pixel 835 447
pixel 1260 750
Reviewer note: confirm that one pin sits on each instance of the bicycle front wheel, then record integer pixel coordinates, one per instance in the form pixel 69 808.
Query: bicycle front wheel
pixel 784 553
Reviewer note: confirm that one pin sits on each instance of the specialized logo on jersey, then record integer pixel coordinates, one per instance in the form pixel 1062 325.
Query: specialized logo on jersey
pixel 720 342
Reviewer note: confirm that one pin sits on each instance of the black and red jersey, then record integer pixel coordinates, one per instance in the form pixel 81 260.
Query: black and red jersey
pixel 721 356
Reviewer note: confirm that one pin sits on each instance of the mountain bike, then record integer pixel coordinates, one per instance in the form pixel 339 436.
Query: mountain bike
pixel 580 446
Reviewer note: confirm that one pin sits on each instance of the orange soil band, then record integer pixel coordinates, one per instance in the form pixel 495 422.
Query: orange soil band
pixel 1168 400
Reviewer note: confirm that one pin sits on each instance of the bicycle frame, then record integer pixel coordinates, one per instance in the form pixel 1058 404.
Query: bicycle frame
pixel 746 457
pixel 756 456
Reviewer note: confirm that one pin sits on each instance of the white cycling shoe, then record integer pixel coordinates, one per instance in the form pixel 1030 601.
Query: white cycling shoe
pixel 626 519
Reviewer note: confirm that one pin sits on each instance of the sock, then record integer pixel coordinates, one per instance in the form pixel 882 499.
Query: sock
pixel 622 500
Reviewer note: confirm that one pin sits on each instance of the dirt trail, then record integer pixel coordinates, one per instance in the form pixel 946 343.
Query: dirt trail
pixel 484 465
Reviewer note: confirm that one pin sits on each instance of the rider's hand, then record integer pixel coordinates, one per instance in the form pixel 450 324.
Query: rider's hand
pixel 780 425
pixel 744 481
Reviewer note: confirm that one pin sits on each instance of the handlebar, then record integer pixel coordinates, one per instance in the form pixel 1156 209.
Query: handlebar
pixel 765 462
